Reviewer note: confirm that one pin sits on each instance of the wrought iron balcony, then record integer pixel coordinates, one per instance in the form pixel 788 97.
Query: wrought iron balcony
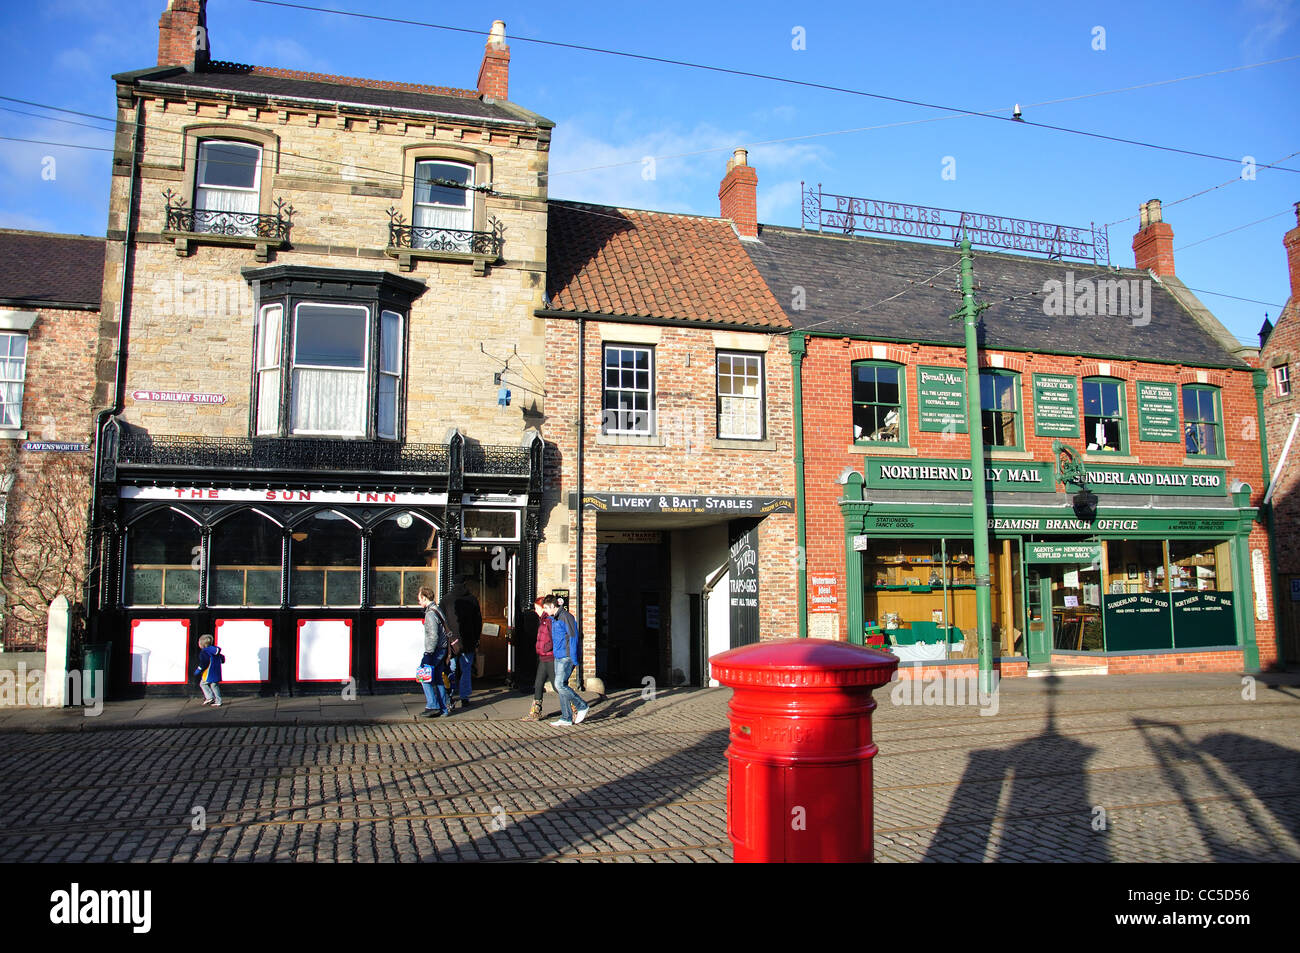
pixel 185 223
pixel 138 448
pixel 497 461
pixel 406 241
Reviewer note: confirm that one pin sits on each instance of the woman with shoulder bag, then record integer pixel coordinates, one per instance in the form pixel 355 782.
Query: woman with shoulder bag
pixel 434 659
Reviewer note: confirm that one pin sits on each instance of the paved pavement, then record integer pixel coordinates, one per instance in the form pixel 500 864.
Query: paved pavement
pixel 1117 768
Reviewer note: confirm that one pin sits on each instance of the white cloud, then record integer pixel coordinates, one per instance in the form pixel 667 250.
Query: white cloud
pixel 1271 19
pixel 671 169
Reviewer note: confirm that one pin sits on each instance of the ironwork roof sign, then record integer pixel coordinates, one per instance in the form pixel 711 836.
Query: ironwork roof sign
pixel 851 215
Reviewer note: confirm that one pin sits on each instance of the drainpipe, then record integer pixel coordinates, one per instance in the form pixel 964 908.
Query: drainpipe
pixel 582 429
pixel 798 343
pixel 119 380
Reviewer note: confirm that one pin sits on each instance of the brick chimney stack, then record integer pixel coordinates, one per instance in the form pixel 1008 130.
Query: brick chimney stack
pixel 494 72
pixel 738 194
pixel 1153 245
pixel 183 35
pixel 1292 242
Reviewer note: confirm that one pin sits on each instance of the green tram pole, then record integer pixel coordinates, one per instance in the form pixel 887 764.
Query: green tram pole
pixel 979 509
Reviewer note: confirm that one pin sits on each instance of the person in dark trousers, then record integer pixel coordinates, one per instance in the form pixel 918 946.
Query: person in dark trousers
pixel 566 644
pixel 209 671
pixel 545 660
pixel 461 609
pixel 435 656
pixel 523 640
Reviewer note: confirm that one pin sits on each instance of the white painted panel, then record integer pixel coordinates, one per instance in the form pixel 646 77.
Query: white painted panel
pixel 324 650
pixel 246 644
pixel 399 646
pixel 158 651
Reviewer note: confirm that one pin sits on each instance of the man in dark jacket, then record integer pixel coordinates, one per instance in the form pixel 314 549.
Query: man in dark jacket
pixel 461 608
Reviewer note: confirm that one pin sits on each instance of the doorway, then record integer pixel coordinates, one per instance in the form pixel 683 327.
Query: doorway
pixel 1063 608
pixel 632 613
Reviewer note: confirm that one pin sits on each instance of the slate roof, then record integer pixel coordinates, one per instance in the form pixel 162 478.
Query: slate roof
pixel 849 285
pixel 316 87
pixel 627 262
pixel 38 268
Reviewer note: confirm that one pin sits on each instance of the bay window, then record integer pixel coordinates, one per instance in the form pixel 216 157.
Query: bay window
pixel 330 353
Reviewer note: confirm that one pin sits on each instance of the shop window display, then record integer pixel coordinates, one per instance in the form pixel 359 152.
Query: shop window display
pixel 162 567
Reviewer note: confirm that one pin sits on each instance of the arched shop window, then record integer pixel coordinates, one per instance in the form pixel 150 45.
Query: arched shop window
pixel 244 561
pixel 404 554
pixel 325 561
pixel 162 552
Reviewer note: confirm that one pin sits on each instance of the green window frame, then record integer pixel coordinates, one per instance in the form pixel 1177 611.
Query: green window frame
pixel 1001 410
pixel 1202 421
pixel 879 403
pixel 1105 424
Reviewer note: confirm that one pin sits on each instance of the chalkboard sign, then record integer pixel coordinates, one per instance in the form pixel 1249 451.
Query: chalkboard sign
pixel 1137 621
pixel 1056 405
pixel 742 563
pixel 1158 412
pixel 1203 619
pixel 941 399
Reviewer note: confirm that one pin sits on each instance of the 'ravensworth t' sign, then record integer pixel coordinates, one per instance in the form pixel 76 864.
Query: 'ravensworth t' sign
pixel 853 216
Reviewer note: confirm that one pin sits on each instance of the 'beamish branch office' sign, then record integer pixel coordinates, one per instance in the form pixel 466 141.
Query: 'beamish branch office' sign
pixel 851 216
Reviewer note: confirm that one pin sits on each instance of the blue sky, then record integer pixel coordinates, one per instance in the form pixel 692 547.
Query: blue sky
pixel 612 112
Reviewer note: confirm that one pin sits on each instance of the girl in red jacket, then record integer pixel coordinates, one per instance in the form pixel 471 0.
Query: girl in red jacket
pixel 545 661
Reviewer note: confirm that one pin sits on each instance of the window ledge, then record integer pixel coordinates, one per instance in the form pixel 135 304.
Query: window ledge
pixel 406 258
pixel 7 434
pixel 1096 457
pixel 1007 454
pixel 263 246
pixel 1207 462
pixel 727 443
pixel 883 450
pixel 629 440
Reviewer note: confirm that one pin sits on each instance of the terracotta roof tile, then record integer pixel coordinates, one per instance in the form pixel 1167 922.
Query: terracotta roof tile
pixel 605 260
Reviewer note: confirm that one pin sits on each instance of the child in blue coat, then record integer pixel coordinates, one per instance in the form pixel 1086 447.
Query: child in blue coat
pixel 209 671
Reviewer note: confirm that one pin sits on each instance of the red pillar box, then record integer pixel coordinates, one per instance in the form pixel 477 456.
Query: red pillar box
pixel 799 783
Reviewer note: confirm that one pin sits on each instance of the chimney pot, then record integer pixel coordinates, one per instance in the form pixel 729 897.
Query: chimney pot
pixel 1153 245
pixel 494 71
pixel 183 35
pixel 741 157
pixel 738 194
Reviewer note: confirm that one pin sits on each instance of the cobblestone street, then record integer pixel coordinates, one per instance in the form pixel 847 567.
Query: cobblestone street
pixel 1137 768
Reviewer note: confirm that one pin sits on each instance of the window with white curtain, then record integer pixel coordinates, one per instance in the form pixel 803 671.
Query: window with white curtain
pixel 330 344
pixel 228 180
pixel 269 336
pixel 390 372
pixel 13 370
pixel 444 205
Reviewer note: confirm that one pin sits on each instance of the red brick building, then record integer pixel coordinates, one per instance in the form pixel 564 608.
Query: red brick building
pixel 1154 561
pixel 49 321
pixel 676 493
pixel 1279 358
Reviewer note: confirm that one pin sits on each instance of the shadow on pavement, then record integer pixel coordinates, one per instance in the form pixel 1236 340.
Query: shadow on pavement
pixel 1043 774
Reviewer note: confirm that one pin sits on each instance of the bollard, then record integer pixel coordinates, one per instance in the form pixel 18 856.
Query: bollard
pixel 799 787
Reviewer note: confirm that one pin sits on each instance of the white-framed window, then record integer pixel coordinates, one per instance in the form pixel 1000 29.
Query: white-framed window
pixel 228 181
pixel 740 395
pixel 444 205
pixel 1282 377
pixel 390 372
pixel 270 334
pixel 330 345
pixel 628 403
pixel 13 371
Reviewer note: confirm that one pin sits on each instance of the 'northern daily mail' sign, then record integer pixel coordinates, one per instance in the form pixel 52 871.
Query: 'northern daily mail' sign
pixel 941 399
pixel 1056 405
pixel 1157 405
pixel 887 473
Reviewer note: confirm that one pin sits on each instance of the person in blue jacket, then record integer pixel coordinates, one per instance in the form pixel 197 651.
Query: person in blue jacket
pixel 567 645
pixel 209 671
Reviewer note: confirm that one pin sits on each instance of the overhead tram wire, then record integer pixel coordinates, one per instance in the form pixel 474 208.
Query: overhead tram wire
pixel 750 74
pixel 1211 238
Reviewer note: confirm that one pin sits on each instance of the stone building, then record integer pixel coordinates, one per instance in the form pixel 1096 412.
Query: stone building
pixel 1279 356
pixel 49 316
pixel 324 387
pixel 1121 434
pixel 678 487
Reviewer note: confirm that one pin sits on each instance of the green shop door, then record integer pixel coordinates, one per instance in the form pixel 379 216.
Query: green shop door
pixel 1038 643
